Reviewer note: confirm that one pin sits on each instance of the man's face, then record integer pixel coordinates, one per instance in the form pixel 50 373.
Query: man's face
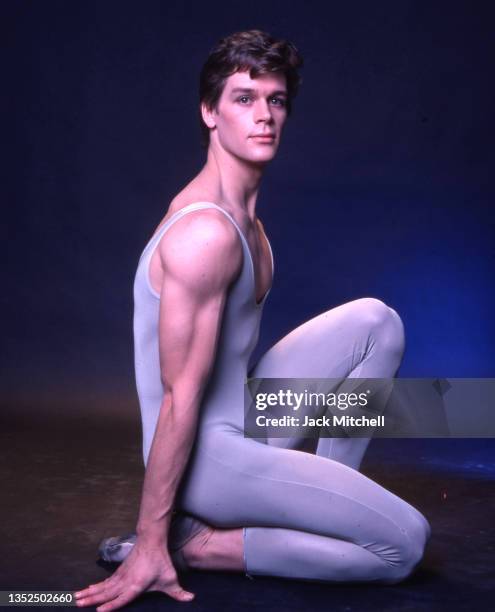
pixel 247 108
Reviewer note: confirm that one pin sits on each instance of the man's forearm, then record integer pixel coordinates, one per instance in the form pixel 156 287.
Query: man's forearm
pixel 170 450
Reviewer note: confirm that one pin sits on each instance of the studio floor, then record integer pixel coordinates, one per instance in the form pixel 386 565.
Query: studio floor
pixel 68 481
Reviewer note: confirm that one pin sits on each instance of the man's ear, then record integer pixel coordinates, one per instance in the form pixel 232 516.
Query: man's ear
pixel 208 116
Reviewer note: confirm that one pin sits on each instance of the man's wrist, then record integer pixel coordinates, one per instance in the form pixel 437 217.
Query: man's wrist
pixel 153 530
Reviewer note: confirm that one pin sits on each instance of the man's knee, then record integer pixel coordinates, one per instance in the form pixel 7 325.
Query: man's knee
pixel 376 311
pixel 411 552
pixel 388 326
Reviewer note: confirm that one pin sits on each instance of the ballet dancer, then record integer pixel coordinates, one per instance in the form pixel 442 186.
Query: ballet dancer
pixel 212 498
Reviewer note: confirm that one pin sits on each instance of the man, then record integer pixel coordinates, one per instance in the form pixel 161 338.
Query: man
pixel 197 261
pixel 199 291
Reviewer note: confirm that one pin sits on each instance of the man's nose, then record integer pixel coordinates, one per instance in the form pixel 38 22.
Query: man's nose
pixel 262 111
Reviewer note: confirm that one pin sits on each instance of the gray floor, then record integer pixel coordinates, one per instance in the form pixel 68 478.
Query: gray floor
pixel 71 480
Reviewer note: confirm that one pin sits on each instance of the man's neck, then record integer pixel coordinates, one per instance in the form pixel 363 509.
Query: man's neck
pixel 234 181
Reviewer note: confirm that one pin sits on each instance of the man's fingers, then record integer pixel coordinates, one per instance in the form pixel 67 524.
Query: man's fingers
pixel 180 594
pixel 110 597
pixel 173 589
pixel 96 593
pixel 96 600
pixel 93 589
pixel 124 598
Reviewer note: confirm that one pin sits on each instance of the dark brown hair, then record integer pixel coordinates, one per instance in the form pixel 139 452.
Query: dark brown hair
pixel 252 50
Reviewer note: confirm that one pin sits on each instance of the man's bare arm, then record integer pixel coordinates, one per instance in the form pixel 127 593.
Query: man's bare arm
pixel 200 257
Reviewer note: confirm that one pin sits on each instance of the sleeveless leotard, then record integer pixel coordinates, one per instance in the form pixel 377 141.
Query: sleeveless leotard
pixel 238 338
pixel 304 515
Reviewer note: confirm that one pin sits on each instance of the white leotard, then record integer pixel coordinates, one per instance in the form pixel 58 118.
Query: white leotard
pixel 304 515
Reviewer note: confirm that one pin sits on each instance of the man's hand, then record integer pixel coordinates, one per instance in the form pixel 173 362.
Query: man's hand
pixel 148 567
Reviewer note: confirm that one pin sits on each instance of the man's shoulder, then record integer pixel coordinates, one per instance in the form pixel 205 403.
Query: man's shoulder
pixel 209 218
pixel 202 232
pixel 201 248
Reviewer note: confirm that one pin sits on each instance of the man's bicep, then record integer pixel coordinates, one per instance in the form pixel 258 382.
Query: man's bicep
pixel 200 261
pixel 188 332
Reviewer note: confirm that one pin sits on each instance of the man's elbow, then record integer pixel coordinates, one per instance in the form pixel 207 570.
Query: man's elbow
pixel 186 391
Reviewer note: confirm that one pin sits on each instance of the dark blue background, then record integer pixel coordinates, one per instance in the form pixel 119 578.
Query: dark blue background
pixel 382 186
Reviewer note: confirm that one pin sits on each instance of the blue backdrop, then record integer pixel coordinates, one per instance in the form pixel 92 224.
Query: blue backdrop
pixel 382 186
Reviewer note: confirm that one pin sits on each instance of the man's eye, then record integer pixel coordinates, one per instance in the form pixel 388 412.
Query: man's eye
pixel 278 101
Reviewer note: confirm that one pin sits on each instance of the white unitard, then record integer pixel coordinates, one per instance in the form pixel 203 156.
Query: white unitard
pixel 305 515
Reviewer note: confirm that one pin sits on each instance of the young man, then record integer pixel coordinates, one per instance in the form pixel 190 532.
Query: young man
pixel 199 292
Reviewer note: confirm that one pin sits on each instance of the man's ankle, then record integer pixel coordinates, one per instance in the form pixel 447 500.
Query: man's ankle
pixel 197 552
pixel 219 549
